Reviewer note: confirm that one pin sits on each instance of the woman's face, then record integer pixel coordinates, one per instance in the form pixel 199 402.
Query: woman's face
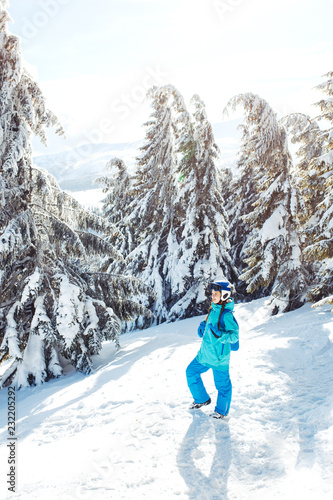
pixel 216 296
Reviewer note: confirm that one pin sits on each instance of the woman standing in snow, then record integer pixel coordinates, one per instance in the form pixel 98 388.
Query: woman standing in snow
pixel 219 333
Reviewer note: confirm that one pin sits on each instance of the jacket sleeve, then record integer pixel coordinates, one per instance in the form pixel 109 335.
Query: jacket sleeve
pixel 230 332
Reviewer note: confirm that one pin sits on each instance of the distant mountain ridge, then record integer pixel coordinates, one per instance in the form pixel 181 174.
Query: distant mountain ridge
pixel 77 169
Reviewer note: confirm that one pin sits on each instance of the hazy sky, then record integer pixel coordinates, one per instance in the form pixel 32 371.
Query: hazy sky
pixel 94 60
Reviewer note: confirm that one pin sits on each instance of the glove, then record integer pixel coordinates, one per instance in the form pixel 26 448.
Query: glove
pixel 215 331
pixel 201 328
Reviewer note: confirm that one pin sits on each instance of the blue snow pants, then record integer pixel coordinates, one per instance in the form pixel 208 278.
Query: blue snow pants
pixel 222 383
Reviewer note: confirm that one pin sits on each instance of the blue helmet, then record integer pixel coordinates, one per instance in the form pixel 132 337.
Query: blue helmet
pixel 221 286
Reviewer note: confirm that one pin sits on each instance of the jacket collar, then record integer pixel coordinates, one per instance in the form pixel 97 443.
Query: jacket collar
pixel 228 307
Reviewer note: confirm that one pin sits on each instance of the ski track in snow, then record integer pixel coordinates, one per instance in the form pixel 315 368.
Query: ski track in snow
pixel 125 432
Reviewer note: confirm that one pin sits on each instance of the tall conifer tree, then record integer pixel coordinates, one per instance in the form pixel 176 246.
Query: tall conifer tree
pixel 153 190
pixel 55 304
pixel 321 231
pixel 273 253
pixel 117 185
pixel 240 195
pixel 202 249
pixel 308 173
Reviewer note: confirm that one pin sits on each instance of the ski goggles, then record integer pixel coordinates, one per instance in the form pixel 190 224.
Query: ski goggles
pixel 225 294
pixel 215 287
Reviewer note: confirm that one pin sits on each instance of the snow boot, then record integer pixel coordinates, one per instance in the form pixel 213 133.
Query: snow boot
pixel 195 406
pixel 215 414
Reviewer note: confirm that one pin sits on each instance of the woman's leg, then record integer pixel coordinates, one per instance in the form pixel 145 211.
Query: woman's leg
pixel 194 381
pixel 224 388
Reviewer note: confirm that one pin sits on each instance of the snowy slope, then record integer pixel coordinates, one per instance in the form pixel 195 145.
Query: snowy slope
pixel 125 432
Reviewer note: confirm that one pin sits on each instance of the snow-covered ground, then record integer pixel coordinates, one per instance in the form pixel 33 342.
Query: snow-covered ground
pixel 125 432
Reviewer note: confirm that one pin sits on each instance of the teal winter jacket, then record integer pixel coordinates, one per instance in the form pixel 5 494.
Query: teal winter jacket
pixel 215 352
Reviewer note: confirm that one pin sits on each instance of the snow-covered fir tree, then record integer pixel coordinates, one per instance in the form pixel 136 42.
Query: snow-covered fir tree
pixel 309 173
pixel 55 305
pixel 117 184
pixel 240 194
pixel 177 214
pixel 150 214
pixel 273 253
pixel 320 232
pixel 200 250
pixel 309 178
